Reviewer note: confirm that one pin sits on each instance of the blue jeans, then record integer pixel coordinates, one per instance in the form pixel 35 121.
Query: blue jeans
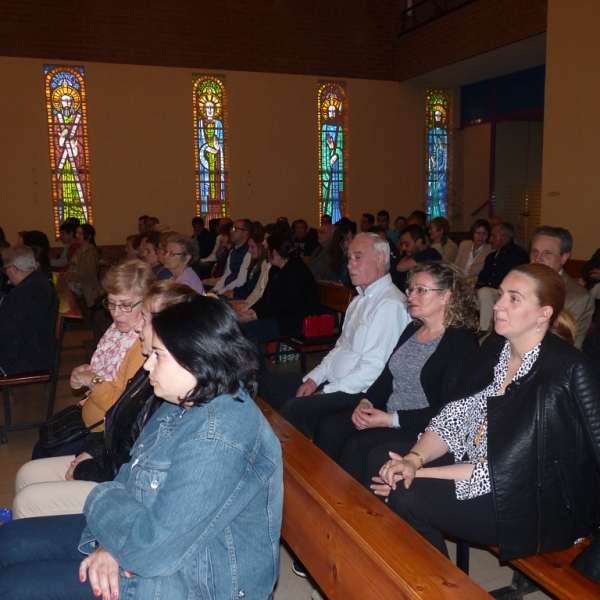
pixel 39 559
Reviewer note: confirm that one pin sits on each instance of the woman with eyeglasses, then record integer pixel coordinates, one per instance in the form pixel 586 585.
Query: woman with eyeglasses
pixel 428 360
pixel 181 251
pixel 118 355
pixel 60 484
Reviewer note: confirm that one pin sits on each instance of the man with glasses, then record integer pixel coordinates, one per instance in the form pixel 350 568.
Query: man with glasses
pixel 27 315
pixel 236 269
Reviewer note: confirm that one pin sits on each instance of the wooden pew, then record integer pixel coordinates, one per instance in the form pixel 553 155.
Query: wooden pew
pixel 350 542
pixel 553 573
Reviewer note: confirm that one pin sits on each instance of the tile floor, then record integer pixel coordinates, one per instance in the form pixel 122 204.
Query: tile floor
pixel 28 400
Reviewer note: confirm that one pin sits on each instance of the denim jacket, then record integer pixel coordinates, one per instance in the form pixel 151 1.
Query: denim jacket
pixel 196 513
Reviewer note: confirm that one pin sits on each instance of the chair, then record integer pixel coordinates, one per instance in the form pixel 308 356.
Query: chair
pixel 335 298
pixel 45 376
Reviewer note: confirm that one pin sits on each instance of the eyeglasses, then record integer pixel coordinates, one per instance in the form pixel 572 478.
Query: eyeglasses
pixel 126 308
pixel 234 228
pixel 420 291
pixel 169 253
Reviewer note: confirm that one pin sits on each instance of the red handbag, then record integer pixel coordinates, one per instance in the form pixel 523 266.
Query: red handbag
pixel 318 326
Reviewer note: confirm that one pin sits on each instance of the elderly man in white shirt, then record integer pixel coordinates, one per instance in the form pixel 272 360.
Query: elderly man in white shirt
pixel 374 321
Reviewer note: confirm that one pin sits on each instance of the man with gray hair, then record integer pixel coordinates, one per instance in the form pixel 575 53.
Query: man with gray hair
pixel 374 321
pixel 552 246
pixel 505 256
pixel 27 315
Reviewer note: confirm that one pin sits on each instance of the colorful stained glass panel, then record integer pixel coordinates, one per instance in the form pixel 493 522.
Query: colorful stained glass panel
pixel 438 152
pixel 333 140
pixel 69 154
pixel 211 147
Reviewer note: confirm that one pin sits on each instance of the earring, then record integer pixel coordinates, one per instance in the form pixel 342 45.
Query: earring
pixel 538 329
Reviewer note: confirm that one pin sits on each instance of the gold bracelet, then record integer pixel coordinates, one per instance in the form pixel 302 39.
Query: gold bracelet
pixel 419 457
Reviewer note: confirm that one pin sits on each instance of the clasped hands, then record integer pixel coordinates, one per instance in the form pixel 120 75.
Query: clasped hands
pixel 366 417
pixel 398 468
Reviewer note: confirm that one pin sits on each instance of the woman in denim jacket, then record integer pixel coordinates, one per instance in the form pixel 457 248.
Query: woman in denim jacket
pixel 196 513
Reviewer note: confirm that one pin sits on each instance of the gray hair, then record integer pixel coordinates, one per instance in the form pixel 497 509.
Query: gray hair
pixel 560 233
pixel 188 245
pixel 508 230
pixel 380 246
pixel 20 257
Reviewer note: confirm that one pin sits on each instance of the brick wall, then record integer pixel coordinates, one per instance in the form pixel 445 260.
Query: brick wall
pixel 338 38
pixel 468 31
pixel 342 38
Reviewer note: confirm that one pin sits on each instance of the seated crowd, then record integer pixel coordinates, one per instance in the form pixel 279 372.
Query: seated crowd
pixel 456 391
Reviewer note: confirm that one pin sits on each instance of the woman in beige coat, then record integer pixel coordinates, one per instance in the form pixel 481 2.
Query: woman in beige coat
pixel 472 253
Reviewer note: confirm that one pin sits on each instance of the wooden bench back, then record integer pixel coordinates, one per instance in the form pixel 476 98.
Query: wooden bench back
pixel 334 297
pixel 351 543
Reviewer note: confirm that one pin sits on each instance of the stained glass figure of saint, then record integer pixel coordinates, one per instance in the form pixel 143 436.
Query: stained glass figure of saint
pixel 211 148
pixel 67 125
pixel 438 172
pixel 332 159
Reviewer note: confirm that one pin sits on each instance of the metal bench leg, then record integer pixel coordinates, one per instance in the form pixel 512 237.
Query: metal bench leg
pixel 462 555
pixel 519 587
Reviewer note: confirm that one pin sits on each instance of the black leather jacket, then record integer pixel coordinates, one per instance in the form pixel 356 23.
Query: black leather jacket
pixel 122 426
pixel 543 448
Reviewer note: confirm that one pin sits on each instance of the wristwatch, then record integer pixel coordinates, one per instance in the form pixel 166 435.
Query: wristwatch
pixel 97 381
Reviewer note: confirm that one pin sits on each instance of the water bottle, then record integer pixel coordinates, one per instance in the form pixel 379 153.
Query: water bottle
pixel 5 515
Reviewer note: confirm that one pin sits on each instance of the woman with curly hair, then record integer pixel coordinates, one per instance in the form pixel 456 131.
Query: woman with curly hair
pixel 420 374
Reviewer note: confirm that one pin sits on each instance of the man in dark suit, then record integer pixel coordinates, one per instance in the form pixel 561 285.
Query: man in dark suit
pixel 27 315
pixel 505 256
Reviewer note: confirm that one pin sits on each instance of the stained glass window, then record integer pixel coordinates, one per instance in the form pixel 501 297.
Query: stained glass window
pixel 333 140
pixel 211 147
pixel 438 152
pixel 69 155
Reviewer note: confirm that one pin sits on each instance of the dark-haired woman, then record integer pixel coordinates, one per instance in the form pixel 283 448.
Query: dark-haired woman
pixel 290 295
pixel 197 511
pixel 514 462
pixel 472 253
pixel 82 275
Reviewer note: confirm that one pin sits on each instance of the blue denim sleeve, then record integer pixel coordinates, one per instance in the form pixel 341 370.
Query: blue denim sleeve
pixel 208 483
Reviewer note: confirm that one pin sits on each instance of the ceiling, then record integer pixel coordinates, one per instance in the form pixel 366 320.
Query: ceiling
pixel 527 53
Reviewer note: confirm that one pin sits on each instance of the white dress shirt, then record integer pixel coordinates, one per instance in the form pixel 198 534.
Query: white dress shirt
pixel 373 324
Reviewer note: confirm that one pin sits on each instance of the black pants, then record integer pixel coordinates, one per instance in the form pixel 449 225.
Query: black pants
pixel 431 508
pixel 279 391
pixel 338 437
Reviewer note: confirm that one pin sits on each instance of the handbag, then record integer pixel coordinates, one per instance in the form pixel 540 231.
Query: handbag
pixel 66 426
pixel 318 326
